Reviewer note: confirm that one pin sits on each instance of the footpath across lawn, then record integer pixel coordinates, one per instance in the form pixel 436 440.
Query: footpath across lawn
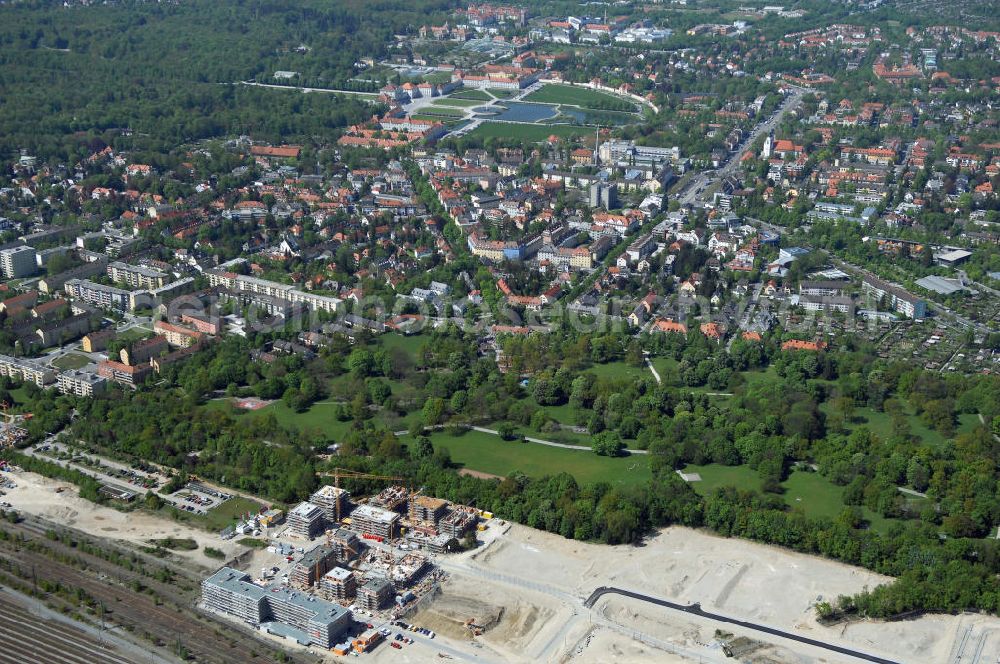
pixel 490 454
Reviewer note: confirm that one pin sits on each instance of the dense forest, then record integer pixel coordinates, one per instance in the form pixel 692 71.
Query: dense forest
pixel 146 75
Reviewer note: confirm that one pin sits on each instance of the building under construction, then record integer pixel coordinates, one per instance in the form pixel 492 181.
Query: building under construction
pixel 426 511
pixel 333 501
pixel 458 522
pixel 405 572
pixel 402 573
pixel 339 585
pixel 374 594
pixel 374 521
pixel 346 544
pixel 392 498
pixel 308 570
pixel 305 520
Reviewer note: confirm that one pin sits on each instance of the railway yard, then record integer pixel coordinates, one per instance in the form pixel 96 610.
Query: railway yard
pixel 27 636
pixel 148 601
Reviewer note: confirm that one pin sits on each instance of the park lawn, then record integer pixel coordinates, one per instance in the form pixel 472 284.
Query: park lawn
pixel 564 414
pixel 527 132
pixel 439 112
pixel 460 103
pixel 71 361
pixel 474 95
pixel 566 437
pixel 620 371
pixel 226 514
pixel 592 117
pixel 667 367
pixel 410 344
pixel 442 110
pixel 714 475
pixel 880 423
pixel 753 379
pixel 319 416
pixel 554 93
pixel 819 498
pixel 967 422
pixel 500 93
pixel 19 395
pixel 816 496
pixel 489 454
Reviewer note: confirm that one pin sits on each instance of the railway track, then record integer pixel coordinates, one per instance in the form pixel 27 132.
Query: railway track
pixel 159 611
pixel 24 638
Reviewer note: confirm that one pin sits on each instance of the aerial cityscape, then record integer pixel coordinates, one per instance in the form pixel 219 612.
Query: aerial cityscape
pixel 660 331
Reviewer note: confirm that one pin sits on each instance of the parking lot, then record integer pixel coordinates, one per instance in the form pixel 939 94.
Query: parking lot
pixel 194 498
pixel 198 498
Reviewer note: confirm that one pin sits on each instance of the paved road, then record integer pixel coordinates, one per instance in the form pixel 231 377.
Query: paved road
pixel 696 610
pixel 702 180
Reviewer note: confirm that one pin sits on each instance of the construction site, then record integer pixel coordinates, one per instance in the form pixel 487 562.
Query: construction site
pixel 333 553
pixel 520 595
pixel 11 431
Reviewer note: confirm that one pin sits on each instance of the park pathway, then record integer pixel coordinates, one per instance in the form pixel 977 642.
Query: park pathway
pixel 537 441
pixel 656 374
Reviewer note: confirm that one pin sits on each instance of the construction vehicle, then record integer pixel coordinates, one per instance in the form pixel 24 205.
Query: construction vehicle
pixel 470 624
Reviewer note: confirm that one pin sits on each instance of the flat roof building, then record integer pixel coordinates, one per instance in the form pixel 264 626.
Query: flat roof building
pixel 333 501
pixel 292 614
pixel 826 303
pixel 339 584
pixel 952 257
pixel 374 594
pixel 80 383
pixel 305 520
pixel 898 299
pixel 243 283
pixel 345 543
pixel 29 371
pixel 458 522
pixel 136 276
pixel 942 285
pixel 108 297
pixel 391 498
pixel 427 511
pixel 314 564
pixel 825 288
pixel 18 262
pixel 371 520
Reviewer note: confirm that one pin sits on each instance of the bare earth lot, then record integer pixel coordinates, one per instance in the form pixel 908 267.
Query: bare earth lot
pixel 37 495
pixel 731 577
